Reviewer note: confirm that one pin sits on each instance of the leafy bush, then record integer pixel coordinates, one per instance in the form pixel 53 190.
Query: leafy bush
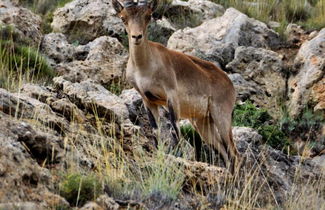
pixel 77 189
pixel 248 115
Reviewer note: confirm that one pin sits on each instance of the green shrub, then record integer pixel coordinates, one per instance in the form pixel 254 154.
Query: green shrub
pixel 305 127
pixel 248 115
pixel 77 189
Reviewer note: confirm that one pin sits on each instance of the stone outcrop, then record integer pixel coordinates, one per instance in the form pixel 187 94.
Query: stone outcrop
pixel 216 39
pixel 59 50
pixel 102 60
pixel 94 98
pixel 24 22
pixel 263 73
pixel 192 13
pixel 307 86
pixel 85 20
pixel 24 151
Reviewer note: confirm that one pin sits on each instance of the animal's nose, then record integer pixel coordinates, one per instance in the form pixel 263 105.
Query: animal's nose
pixel 137 37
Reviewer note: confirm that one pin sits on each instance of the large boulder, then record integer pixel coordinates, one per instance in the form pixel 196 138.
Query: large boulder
pixel 262 71
pixel 160 30
pixel 192 13
pixel 102 60
pixel 217 39
pixel 306 87
pixel 24 22
pixel 59 50
pixel 94 98
pixel 85 20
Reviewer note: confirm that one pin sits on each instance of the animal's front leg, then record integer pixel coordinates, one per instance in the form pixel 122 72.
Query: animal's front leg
pixel 153 116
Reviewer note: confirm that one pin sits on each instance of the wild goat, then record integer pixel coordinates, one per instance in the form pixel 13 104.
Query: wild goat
pixel 190 88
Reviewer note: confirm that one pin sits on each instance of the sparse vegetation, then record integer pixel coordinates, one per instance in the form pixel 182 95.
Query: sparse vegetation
pixel 163 177
pixel 44 8
pixel 19 62
pixel 309 13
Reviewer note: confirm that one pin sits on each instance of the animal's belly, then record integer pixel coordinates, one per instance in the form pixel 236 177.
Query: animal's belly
pixel 193 106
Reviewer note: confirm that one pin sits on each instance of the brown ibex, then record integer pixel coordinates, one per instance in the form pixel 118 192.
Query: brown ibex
pixel 190 88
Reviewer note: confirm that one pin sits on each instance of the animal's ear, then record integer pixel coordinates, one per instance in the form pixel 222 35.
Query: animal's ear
pixel 153 5
pixel 117 6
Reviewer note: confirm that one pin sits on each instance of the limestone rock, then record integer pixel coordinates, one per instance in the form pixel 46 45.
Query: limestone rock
pixel 265 163
pixel 23 150
pixel 107 203
pixel 192 12
pixel 294 33
pixel 160 30
pixel 244 89
pixel 25 23
pixel 58 49
pixel 91 206
pixel 264 70
pixel 20 206
pixel 217 39
pixel 22 105
pixel 38 92
pixel 308 84
pixel 94 98
pixel 104 62
pixel 85 20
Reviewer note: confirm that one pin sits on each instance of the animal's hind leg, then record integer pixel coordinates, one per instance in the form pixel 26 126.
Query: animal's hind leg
pixel 207 130
pixel 223 123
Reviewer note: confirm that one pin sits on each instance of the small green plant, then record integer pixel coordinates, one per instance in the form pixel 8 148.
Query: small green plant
pixel 19 62
pixel 77 189
pixel 115 87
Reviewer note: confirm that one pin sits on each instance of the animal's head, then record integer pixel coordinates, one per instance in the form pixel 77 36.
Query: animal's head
pixel 136 17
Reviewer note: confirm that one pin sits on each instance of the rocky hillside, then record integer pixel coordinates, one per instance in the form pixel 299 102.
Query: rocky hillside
pixel 75 135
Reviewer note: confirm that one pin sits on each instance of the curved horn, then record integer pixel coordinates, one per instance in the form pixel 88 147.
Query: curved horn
pixel 128 3
pixel 142 3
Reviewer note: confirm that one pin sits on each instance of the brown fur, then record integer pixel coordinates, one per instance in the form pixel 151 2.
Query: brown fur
pixel 196 89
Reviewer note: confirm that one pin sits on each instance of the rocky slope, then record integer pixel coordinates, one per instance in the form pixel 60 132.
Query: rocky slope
pixel 77 122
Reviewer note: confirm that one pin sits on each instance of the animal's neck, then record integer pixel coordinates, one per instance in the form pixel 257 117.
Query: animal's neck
pixel 140 54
